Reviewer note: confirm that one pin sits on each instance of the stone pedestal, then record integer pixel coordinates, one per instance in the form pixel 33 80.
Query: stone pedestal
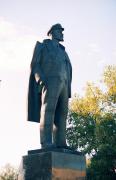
pixel 53 165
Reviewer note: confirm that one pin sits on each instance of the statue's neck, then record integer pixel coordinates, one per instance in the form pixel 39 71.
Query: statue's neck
pixel 55 42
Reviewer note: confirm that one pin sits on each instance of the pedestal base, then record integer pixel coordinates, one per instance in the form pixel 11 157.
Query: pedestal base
pixel 53 165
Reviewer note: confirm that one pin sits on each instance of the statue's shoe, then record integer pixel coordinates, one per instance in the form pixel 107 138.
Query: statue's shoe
pixel 48 146
pixel 65 147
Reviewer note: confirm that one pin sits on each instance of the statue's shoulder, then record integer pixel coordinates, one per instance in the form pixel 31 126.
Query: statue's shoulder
pixel 39 45
pixel 47 43
pixel 62 47
pixel 42 45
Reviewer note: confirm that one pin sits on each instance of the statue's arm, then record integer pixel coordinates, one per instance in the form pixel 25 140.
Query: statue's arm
pixel 69 66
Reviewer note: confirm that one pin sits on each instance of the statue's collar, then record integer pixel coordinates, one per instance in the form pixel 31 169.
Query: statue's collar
pixel 49 42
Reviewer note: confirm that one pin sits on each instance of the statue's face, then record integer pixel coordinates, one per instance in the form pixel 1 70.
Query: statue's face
pixel 57 34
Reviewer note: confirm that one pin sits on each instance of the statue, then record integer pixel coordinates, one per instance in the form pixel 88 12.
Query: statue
pixel 50 89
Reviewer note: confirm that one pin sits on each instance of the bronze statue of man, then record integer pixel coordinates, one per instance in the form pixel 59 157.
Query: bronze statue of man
pixel 50 89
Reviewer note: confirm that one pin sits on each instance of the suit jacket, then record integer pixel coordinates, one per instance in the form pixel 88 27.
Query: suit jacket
pixel 42 52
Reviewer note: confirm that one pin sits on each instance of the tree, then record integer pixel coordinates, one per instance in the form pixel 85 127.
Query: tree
pixel 84 117
pixel 8 173
pixel 92 126
pixel 109 79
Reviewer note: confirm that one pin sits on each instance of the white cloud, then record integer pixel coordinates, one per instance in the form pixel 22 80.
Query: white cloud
pixel 93 49
pixel 114 52
pixel 7 29
pixel 16 45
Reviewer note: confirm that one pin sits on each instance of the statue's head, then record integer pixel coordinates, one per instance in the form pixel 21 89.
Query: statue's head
pixel 56 32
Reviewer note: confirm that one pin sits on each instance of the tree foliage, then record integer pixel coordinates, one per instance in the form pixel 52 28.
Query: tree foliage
pixel 92 125
pixel 8 173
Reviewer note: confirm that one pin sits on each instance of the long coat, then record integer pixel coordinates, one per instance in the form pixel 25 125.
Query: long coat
pixel 34 95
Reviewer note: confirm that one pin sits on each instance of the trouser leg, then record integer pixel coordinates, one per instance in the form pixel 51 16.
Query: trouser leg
pixel 60 118
pixel 46 128
pixel 49 101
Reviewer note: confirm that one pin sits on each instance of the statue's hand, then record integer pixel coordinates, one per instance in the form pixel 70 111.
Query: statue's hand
pixel 41 84
pixel 37 78
pixel 45 83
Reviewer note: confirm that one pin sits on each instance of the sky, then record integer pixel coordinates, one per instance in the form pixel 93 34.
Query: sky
pixel 90 41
